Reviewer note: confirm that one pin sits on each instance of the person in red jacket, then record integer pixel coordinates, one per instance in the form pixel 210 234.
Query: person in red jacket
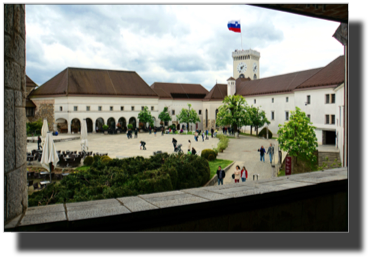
pixel 244 174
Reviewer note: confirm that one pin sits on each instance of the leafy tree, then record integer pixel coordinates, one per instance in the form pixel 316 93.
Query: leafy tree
pixel 164 115
pixel 234 112
pixel 145 116
pixel 297 136
pixel 34 127
pixel 188 116
pixel 257 118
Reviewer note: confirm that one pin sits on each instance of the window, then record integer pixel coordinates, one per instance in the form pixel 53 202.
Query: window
pixel 332 98
pixel 111 108
pixel 200 112
pixel 29 112
pixel 308 116
pixel 142 107
pixel 287 99
pixel 272 115
pixel 272 100
pixel 60 108
pixel 152 108
pixel 100 108
pixel 308 99
pixel 254 101
pixel 327 98
pixel 88 108
pixel 166 123
pixel 173 112
pixel 75 108
pixel 121 108
pixel 327 119
pixel 333 119
pixel 286 115
pixel 132 108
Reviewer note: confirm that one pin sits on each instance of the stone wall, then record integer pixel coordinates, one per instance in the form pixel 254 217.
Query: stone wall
pixel 44 109
pixel 15 190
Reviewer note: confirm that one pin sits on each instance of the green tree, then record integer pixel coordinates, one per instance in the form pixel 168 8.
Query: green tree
pixel 297 136
pixel 188 116
pixel 234 112
pixel 145 116
pixel 257 118
pixel 34 127
pixel 164 115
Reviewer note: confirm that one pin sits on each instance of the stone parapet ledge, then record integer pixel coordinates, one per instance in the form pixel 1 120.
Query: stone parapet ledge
pixel 144 212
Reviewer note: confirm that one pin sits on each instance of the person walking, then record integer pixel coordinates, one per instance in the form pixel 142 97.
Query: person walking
pixel 212 133
pixel 206 134
pixel 162 132
pixel 196 136
pixel 193 151
pixel 38 143
pixel 244 174
pixel 220 174
pixel 237 174
pixel 174 141
pixel 136 132
pixel 203 136
pixel 150 130
pixel 270 152
pixel 262 153
pixel 189 147
pixel 155 131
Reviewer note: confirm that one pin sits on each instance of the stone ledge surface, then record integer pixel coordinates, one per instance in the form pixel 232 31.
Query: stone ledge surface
pixel 155 201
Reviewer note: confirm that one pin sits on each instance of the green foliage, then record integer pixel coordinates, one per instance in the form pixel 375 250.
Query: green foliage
pixel 105 127
pixel 130 126
pixel 34 127
pixel 88 160
pixel 234 112
pixel 172 127
pixel 211 157
pixel 96 158
pixel 263 133
pixel 164 115
pixel 297 136
pixel 188 116
pixel 257 118
pixel 223 142
pixel 206 152
pixel 126 177
pixel 145 116
pixel 105 159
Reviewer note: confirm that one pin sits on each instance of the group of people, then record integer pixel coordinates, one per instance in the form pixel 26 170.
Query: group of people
pixel 262 153
pixel 130 132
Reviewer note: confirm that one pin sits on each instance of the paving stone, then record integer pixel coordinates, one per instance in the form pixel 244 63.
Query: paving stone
pixel 201 192
pixel 45 209
pixel 178 202
pixel 136 204
pixel 294 185
pixel 161 194
pixel 33 219
pixel 96 212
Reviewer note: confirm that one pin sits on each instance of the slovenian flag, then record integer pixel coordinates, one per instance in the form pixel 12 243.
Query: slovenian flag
pixel 234 25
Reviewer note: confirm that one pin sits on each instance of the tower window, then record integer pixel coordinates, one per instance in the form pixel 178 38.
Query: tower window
pixel 272 116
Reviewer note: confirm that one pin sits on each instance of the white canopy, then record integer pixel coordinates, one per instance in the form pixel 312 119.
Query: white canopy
pixel 44 131
pixel 83 136
pixel 49 153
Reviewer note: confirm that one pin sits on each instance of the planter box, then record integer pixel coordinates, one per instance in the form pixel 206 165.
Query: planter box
pixel 105 132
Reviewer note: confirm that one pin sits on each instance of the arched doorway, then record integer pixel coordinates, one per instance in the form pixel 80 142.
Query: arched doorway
pixel 122 123
pixel 89 125
pixel 132 121
pixel 75 125
pixel 99 124
pixel 111 123
pixel 62 125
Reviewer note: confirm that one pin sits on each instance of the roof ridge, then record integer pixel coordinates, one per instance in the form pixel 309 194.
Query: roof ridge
pixel 131 71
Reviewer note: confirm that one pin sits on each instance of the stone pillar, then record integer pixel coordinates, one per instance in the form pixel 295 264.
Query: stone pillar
pixel 94 127
pixel 69 128
pixel 15 188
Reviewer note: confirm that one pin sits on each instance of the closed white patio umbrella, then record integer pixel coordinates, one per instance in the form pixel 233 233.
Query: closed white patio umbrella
pixel 49 153
pixel 44 131
pixel 83 136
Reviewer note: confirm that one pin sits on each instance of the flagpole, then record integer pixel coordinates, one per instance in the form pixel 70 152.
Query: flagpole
pixel 241 35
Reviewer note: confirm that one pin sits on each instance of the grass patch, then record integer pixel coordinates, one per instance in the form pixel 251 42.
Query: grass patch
pixel 83 168
pixel 216 163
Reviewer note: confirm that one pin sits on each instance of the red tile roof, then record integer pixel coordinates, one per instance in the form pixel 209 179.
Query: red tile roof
pixel 180 90
pixel 82 81
pixel 332 74
pixel 218 92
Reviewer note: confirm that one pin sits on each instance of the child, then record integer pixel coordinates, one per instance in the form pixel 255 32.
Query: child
pixel 142 144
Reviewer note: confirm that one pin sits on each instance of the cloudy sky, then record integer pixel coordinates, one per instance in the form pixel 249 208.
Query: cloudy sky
pixel 172 43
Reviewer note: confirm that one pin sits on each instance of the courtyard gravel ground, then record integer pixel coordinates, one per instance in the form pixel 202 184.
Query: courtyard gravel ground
pixel 243 150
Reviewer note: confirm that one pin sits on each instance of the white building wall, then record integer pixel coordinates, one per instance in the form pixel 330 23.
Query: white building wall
pixel 339 91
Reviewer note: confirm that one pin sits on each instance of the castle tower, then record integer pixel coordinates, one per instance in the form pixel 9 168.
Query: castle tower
pixel 231 86
pixel 246 64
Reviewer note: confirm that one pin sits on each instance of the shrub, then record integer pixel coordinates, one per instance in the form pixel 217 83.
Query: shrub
pixel 211 157
pixel 96 158
pixel 130 126
pixel 263 133
pixel 105 159
pixel 88 160
pixel 206 152
pixel 105 127
pixel 223 142
pixel 34 127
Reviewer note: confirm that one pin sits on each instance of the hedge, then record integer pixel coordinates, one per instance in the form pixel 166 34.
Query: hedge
pixel 88 160
pixel 206 152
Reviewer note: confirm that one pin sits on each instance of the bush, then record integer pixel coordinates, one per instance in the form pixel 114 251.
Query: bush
pixel 211 157
pixel 206 152
pixel 88 161
pixel 105 127
pixel 96 158
pixel 105 159
pixel 130 126
pixel 263 133
pixel 223 142
pixel 34 127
